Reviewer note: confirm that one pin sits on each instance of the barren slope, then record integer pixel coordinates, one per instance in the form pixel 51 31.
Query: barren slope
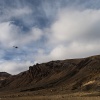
pixel 4 75
pixel 73 74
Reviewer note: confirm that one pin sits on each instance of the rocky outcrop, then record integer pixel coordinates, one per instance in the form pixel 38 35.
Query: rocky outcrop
pixel 4 75
pixel 73 74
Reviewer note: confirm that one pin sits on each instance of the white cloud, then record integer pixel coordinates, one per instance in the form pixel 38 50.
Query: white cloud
pixel 8 33
pixel 73 24
pixel 11 34
pixel 74 34
pixel 21 12
pixel 14 67
pixel 75 50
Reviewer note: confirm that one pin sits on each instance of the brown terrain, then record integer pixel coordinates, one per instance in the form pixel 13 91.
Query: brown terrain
pixel 4 75
pixel 55 80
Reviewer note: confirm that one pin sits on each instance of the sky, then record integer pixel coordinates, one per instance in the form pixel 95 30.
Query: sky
pixel 46 30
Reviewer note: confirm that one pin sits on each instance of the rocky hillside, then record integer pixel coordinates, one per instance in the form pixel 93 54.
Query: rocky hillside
pixel 73 74
pixel 4 75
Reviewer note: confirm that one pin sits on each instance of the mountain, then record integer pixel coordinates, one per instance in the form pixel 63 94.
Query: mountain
pixel 4 75
pixel 70 75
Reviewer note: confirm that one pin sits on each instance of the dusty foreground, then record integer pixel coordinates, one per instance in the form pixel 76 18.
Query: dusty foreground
pixel 44 96
pixel 53 98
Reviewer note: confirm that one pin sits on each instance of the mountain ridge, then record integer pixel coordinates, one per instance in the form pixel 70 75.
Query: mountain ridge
pixel 4 75
pixel 72 74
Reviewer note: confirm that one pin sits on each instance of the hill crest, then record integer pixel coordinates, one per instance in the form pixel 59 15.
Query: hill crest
pixel 72 74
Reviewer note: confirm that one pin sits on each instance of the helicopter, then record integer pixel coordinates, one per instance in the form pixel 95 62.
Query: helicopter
pixel 15 47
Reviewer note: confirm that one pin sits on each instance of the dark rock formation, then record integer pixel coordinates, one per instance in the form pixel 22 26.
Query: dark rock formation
pixel 73 74
pixel 4 75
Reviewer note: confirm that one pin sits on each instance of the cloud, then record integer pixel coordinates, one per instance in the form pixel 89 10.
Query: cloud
pixel 14 67
pixel 75 50
pixel 10 13
pixel 11 34
pixel 73 34
pixel 47 30
pixel 75 24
